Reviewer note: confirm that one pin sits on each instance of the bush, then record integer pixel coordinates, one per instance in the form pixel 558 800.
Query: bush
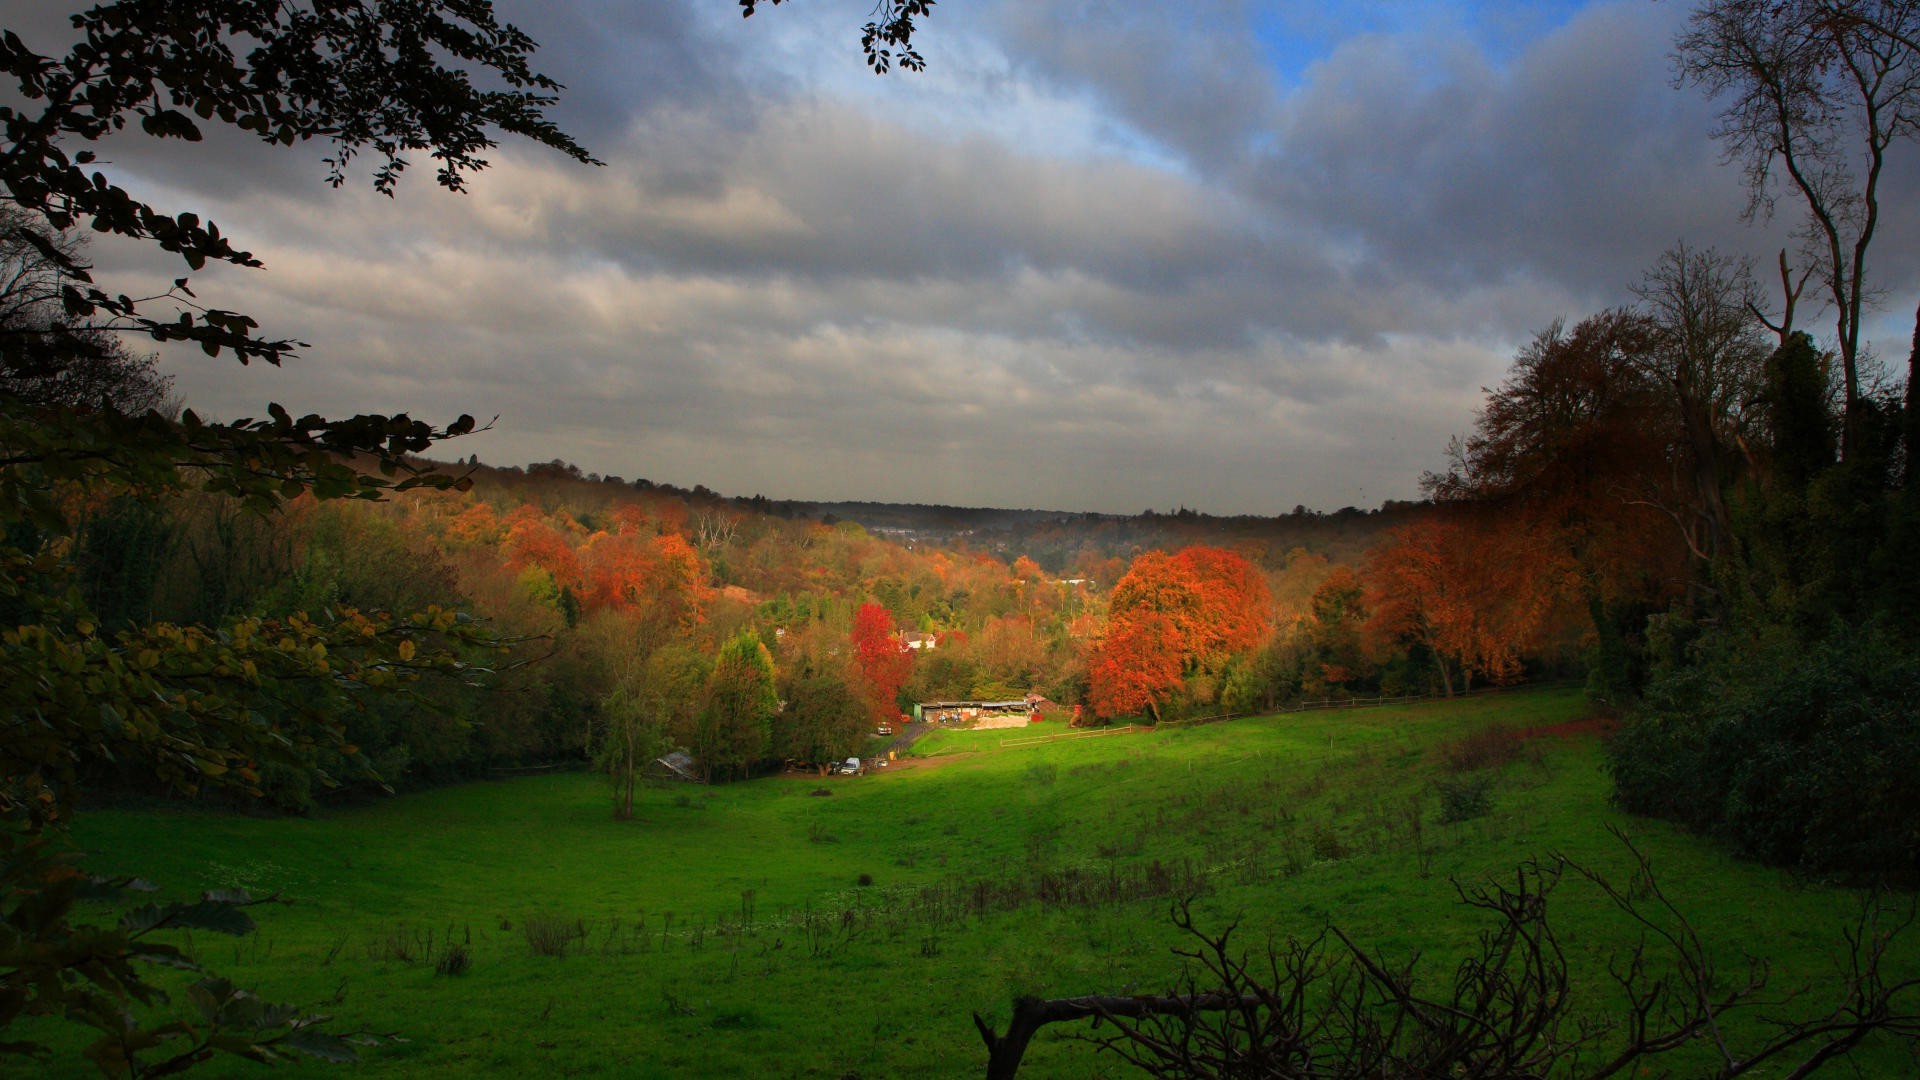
pixel 1465 798
pixel 1484 749
pixel 1807 757
pixel 549 935
pixel 454 961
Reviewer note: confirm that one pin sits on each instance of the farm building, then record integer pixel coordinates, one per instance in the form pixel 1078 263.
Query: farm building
pixel 974 712
pixel 675 766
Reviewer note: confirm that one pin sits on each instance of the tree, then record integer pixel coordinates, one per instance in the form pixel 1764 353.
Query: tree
pixel 820 721
pixel 1177 614
pixel 1576 446
pixel 80 368
pixel 1817 92
pixel 1474 595
pixel 1706 348
pixel 649 695
pixel 200 705
pixel 1138 666
pixel 735 727
pixel 884 661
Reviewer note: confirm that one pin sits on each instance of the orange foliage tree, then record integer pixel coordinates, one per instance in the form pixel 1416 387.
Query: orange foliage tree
pixel 1138 666
pixel 1198 606
pixel 534 543
pixel 1474 595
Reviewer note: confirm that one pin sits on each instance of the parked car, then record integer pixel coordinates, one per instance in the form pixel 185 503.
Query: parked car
pixel 883 729
pixel 850 767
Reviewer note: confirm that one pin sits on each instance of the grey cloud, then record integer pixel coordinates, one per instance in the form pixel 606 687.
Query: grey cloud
pixel 1207 292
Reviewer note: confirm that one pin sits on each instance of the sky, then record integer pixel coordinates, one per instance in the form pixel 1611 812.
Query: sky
pixel 1218 254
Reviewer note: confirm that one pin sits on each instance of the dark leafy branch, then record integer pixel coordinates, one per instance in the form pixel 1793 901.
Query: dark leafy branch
pixel 887 36
pixel 390 77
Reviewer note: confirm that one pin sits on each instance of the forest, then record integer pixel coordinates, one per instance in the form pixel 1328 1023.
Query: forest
pixel 1701 506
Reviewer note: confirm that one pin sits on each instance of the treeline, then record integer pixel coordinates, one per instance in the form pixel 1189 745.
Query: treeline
pixel 1737 521
pixel 629 619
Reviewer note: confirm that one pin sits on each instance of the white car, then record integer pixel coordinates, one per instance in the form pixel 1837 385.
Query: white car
pixel 850 767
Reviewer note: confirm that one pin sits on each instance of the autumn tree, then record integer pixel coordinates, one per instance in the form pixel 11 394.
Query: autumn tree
pixel 1576 448
pixel 1138 666
pixel 1472 594
pixel 884 661
pixel 1335 657
pixel 1200 606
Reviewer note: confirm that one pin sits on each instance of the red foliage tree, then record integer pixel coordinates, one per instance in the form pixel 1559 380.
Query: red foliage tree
pixel 533 542
pixel 884 661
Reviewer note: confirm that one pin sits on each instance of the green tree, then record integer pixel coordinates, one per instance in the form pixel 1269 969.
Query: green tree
pixel 650 700
pixel 735 728
pixel 823 718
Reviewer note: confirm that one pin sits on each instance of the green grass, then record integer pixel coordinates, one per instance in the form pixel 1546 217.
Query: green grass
pixel 727 932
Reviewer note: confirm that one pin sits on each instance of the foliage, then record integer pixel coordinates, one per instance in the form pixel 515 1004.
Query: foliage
pixel 1802 756
pixel 396 76
pixel 884 661
pixel 1463 798
pixel 1174 615
pixel 1474 595
pixel 240 700
pixel 735 727
pixel 820 721
pixel 887 36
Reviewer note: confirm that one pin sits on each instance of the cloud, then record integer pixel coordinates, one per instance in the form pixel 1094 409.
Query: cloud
pixel 1093 260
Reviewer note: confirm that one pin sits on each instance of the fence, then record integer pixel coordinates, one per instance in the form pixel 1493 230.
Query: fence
pixel 1036 740
pixel 1300 706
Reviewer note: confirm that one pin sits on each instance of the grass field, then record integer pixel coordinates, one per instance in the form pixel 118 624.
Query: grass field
pixel 849 925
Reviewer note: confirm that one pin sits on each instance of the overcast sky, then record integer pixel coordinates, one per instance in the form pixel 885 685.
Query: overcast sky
pixel 1101 256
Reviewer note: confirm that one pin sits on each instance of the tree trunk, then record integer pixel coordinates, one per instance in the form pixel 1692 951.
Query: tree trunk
pixel 1704 448
pixel 1031 1014
pixel 1912 426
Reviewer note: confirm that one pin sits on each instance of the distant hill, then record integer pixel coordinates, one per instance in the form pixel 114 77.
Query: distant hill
pixel 1053 538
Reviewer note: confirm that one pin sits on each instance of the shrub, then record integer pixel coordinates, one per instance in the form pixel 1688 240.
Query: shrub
pixel 1806 757
pixel 549 935
pixel 1465 798
pixel 454 961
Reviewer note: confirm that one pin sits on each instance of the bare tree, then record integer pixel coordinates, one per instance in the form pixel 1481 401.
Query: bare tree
pixel 1709 351
pixel 1814 93
pixel 47 357
pixel 1327 1009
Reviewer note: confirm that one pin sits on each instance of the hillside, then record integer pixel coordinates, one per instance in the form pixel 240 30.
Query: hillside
pixel 850 926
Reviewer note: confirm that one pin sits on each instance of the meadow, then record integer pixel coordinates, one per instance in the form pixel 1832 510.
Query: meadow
pixel 849 926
